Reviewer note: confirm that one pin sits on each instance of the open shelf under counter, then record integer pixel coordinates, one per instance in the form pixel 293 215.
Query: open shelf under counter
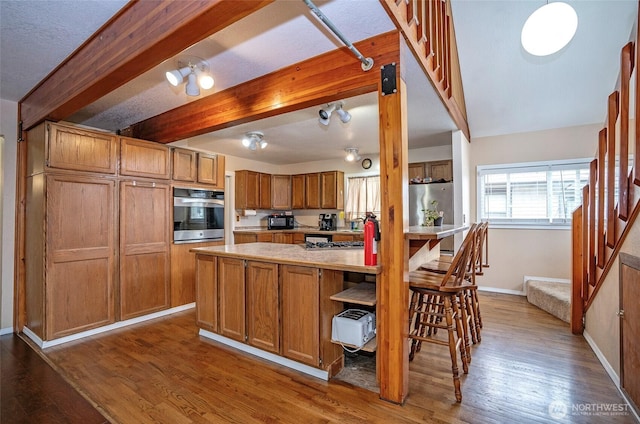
pixel 370 346
pixel 362 294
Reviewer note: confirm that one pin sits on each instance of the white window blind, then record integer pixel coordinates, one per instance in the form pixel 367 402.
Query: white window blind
pixel 531 194
pixel 363 195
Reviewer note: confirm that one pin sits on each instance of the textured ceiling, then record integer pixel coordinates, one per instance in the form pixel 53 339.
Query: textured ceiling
pixel 506 90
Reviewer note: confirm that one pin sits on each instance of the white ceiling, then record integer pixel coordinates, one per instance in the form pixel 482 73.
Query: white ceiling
pixel 506 90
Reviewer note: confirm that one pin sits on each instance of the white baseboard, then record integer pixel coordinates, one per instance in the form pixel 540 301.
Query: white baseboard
pixel 504 291
pixel 280 360
pixel 548 279
pixel 49 343
pixel 4 331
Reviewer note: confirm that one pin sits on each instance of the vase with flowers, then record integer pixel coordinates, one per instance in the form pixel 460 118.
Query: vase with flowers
pixel 432 217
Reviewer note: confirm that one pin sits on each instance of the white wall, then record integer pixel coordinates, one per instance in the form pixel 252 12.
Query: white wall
pixel 8 158
pixel 514 253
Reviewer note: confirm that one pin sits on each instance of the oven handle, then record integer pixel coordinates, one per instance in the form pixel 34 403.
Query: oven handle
pixel 207 203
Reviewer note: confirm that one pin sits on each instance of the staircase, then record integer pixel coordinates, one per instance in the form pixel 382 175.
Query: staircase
pixel 551 296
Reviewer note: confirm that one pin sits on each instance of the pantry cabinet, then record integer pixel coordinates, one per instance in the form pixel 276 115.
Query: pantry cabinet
pixel 70 253
pixel 144 247
pixel 140 158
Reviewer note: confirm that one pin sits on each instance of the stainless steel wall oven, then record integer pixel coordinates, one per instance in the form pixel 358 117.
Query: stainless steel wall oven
pixel 198 215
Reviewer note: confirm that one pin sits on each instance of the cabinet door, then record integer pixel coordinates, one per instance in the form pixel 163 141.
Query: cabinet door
pixel 184 165
pixel 281 191
pixel 144 247
pixel 300 314
pixel 298 238
pixel 343 237
pixel 264 237
pixel 312 188
pixel 140 158
pixel 231 293
pixel 286 238
pixel 247 189
pixel 80 254
pixel 265 191
pixel 81 150
pixel 263 312
pixel 206 271
pixel 183 272
pixel 332 190
pixel 211 169
pixel 416 170
pixel 441 170
pixel 298 191
pixel 239 238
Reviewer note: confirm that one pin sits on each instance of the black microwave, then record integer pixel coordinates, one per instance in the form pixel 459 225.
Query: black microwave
pixel 280 222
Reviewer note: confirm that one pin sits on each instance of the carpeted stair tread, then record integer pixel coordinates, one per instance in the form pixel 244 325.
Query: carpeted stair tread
pixel 552 297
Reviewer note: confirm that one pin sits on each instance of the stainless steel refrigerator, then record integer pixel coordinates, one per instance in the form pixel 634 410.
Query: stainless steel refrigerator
pixel 420 197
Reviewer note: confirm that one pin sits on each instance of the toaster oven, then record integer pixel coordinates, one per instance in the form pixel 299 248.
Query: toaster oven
pixel 280 222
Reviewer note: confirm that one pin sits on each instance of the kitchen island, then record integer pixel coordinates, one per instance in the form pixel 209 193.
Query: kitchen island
pixel 274 300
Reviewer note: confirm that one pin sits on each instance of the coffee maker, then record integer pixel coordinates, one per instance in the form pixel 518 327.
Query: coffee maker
pixel 328 221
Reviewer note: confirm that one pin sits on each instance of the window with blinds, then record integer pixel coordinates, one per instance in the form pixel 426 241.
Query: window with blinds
pixel 531 194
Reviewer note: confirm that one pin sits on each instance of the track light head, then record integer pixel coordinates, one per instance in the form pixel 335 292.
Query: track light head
pixel 325 113
pixel 195 70
pixel 343 114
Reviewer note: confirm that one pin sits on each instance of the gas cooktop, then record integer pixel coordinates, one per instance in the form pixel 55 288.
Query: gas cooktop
pixel 335 245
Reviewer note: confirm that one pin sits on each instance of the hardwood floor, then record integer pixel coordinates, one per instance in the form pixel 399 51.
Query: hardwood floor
pixel 162 371
pixel 32 392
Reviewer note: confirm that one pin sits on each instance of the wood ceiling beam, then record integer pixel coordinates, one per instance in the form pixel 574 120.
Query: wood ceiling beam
pixel 140 36
pixel 321 79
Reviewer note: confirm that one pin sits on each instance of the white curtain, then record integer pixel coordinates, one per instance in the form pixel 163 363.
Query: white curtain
pixel 363 196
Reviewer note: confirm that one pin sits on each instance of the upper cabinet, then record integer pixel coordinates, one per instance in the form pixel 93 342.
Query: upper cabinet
pixel 332 190
pixel 264 200
pixel 140 158
pixel 298 195
pixel 431 171
pixel 281 191
pixel 197 167
pixel 312 190
pixel 247 189
pixel 56 146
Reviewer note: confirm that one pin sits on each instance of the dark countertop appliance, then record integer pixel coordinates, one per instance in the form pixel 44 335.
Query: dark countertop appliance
pixel 328 221
pixel 280 222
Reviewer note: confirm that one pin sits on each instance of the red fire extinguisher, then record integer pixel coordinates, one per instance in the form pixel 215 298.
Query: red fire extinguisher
pixel 371 237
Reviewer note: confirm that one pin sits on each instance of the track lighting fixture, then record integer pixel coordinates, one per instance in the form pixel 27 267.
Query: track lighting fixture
pixel 253 139
pixel 352 154
pixel 325 114
pixel 197 73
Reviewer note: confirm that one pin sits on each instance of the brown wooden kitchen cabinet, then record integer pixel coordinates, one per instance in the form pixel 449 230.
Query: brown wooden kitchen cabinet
pixel 248 237
pixel 144 247
pixel 312 189
pixel 247 189
pixel 70 266
pixel 332 190
pixel 298 195
pixel 231 295
pixel 206 272
pixel 286 238
pixel 185 167
pixel 300 314
pixel 416 170
pixel 55 146
pixel 141 158
pixel 264 191
pixel 263 306
pixel 196 167
pixel 281 192
pixel 440 170
pixel 211 169
pixel 183 272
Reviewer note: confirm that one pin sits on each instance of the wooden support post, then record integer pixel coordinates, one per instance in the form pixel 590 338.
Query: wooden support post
pixel 393 304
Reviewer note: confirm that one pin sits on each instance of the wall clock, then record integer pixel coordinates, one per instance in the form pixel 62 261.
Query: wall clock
pixel 366 163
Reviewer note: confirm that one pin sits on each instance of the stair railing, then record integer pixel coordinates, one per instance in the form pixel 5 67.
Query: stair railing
pixel 608 209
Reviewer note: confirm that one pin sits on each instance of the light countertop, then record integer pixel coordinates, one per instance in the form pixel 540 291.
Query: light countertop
pixel 294 254
pixel 420 232
pixel 305 230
